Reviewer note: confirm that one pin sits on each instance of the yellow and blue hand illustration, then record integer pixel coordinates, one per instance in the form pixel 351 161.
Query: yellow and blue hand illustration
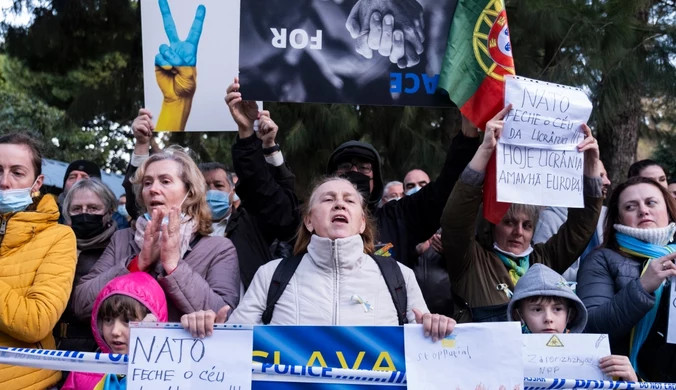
pixel 176 70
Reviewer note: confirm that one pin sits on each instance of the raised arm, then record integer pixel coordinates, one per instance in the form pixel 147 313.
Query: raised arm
pixel 458 221
pixel 563 249
pixel 273 204
pixel 31 317
pixel 420 212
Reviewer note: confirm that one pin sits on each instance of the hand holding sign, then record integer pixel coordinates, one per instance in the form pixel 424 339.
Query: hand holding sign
pixel 618 366
pixel 590 147
pixel 175 69
pixel 244 112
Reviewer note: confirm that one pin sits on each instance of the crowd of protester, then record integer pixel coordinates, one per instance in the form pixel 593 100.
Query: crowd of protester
pixel 206 244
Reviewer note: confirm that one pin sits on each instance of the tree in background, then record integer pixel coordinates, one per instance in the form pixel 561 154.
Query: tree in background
pixel 84 59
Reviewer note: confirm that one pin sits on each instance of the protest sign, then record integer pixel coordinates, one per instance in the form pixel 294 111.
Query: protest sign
pixel 475 356
pixel 190 56
pixel 165 358
pixel 356 52
pixel 565 355
pixel 544 115
pixel 537 158
pixel 671 332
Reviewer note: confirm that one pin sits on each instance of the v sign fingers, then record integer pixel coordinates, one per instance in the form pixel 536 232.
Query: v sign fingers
pixel 168 20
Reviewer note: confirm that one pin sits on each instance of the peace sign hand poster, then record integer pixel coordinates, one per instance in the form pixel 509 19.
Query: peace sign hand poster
pixel 190 56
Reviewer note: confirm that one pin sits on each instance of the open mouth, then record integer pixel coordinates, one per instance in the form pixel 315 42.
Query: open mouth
pixel 339 219
pixel 156 203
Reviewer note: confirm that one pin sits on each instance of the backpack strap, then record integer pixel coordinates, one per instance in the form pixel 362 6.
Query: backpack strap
pixel 396 284
pixel 280 279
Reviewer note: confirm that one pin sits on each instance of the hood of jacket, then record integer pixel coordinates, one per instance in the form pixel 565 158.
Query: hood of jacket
pixel 138 285
pixel 352 149
pixel 541 280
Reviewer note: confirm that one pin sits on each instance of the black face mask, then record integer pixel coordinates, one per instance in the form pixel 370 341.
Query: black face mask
pixel 361 181
pixel 87 226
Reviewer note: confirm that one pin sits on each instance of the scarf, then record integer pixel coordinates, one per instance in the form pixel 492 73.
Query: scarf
pixel 112 382
pixel 516 271
pixel 642 249
pixel 100 241
pixel 187 232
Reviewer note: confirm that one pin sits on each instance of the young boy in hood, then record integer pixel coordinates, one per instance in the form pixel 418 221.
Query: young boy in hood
pixel 133 297
pixel 544 303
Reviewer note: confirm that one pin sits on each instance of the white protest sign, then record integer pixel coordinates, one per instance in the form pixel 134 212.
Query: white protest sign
pixel 475 356
pixel 537 158
pixel 544 115
pixel 540 177
pixel 671 331
pixel 190 56
pixel 571 356
pixel 169 358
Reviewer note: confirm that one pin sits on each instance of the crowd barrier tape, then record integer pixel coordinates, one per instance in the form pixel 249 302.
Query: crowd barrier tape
pixel 117 364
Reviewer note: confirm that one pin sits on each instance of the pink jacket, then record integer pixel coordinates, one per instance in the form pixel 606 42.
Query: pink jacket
pixel 138 285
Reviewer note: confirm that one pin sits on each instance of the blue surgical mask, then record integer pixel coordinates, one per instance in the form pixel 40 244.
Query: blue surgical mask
pixel 122 210
pixel 219 203
pixel 13 201
pixel 413 190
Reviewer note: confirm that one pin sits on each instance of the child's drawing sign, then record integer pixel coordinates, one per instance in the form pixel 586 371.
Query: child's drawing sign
pixel 468 359
pixel 564 355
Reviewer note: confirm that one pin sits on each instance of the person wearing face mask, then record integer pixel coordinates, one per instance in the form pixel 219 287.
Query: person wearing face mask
pixel 121 215
pixel 625 284
pixel 38 261
pixel 89 207
pixel 171 242
pixel 240 226
pixel 485 267
pixel 402 225
pixel 393 191
pixel 333 277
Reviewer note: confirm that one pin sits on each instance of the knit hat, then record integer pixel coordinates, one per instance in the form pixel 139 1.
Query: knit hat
pixel 541 280
pixel 88 167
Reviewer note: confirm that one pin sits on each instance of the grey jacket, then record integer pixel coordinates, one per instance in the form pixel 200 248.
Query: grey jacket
pixel 541 280
pixel 206 278
pixel 609 286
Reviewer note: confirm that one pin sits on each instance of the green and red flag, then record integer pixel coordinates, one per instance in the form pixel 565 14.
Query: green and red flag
pixel 478 56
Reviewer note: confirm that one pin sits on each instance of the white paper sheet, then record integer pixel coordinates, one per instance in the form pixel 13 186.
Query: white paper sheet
pixel 537 158
pixel 160 359
pixel 570 356
pixel 671 331
pixel 484 356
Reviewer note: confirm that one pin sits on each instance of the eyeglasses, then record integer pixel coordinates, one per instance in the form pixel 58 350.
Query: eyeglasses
pixel 91 209
pixel 362 167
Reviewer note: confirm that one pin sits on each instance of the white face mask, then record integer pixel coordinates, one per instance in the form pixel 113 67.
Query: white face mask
pixel 413 190
pixel 165 220
pixel 12 201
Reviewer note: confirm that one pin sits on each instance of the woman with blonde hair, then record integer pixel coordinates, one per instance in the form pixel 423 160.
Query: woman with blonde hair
pixel 171 242
pixel 336 280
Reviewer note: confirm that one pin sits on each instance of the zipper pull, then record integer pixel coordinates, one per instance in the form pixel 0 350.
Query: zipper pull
pixel 3 227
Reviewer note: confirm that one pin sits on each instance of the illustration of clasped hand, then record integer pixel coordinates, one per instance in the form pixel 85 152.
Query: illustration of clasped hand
pixel 176 70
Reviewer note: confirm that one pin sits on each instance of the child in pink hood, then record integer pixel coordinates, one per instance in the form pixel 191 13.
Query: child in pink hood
pixel 133 297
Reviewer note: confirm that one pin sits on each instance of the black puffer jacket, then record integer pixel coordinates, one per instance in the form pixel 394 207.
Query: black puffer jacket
pixel 609 285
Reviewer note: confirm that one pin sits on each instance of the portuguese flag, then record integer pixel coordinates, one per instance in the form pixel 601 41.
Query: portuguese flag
pixel 478 56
